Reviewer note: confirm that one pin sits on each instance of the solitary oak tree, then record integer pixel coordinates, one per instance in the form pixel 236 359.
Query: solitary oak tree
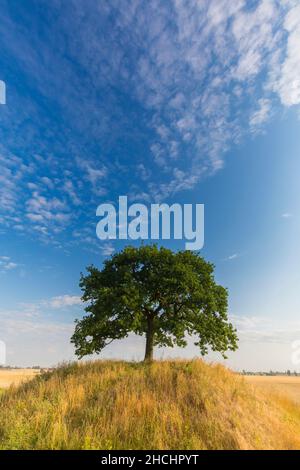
pixel 156 292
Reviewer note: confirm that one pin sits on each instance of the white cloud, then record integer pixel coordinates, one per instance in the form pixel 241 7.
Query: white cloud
pixel 107 249
pixel 63 301
pixel 10 265
pixel 59 302
pixel 265 330
pixel 47 181
pixel 48 212
pixel 71 191
pixel 254 35
pixel 2 92
pixel 6 264
pixel 94 174
pixel 35 217
pixel 261 115
pixel 8 183
pixel 288 81
pixel 231 257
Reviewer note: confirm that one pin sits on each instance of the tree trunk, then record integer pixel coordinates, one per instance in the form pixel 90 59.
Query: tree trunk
pixel 149 340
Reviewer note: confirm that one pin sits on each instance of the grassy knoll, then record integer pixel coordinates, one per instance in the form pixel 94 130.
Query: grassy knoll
pixel 165 405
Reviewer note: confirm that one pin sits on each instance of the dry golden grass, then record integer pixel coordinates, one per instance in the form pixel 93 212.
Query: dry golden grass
pixel 165 405
pixel 287 386
pixel 16 376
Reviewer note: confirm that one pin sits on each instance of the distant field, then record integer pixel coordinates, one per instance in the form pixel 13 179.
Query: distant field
pixel 16 376
pixel 282 384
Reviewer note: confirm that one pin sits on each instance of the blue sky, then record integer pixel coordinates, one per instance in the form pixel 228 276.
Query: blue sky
pixel 163 101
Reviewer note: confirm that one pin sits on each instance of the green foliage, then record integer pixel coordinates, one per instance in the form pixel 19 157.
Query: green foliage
pixel 157 292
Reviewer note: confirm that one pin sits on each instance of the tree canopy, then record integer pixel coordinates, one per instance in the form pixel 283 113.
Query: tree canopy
pixel 156 292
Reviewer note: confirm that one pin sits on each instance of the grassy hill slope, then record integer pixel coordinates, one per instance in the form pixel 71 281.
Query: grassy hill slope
pixel 166 405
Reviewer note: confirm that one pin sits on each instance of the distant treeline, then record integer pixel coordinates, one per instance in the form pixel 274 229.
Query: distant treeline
pixel 272 373
pixel 29 367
